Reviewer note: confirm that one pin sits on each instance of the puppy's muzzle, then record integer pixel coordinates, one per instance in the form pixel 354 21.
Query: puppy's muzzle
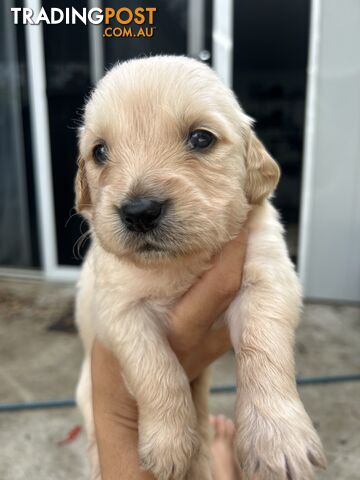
pixel 142 214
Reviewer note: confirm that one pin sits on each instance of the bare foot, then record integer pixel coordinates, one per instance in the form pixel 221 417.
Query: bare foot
pixel 222 448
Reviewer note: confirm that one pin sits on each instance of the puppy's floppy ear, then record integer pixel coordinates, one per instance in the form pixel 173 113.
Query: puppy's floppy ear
pixel 82 192
pixel 262 172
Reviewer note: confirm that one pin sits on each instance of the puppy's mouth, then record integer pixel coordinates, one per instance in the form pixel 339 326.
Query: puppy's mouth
pixel 161 243
pixel 156 243
pixel 148 247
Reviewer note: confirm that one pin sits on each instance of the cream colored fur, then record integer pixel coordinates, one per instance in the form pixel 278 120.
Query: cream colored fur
pixel 144 110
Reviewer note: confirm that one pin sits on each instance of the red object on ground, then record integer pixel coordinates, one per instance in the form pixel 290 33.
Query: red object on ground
pixel 71 436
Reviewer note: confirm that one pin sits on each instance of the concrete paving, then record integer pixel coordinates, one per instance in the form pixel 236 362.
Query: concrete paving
pixel 40 364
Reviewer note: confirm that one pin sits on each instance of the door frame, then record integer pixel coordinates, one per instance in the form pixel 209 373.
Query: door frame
pixel 309 138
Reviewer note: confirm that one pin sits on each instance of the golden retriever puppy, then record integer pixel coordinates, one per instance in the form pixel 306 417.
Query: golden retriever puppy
pixel 169 170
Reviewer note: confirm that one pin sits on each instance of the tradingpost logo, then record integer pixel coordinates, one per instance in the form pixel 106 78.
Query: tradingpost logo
pixel 122 22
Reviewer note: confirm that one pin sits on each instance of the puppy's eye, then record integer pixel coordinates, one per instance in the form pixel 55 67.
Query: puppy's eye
pixel 100 153
pixel 200 139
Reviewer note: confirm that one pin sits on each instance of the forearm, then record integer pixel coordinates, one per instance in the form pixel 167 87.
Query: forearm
pixel 115 417
pixel 118 450
pixel 265 358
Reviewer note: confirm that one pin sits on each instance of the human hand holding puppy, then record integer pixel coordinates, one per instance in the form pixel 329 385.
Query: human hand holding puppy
pixel 196 346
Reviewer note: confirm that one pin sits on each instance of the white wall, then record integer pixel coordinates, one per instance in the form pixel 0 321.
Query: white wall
pixel 330 224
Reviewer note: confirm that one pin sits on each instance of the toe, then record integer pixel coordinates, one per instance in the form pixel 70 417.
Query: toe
pixel 221 422
pixel 230 428
pixel 215 424
pixel 317 459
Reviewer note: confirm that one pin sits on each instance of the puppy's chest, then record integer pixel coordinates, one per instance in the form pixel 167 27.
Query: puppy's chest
pixel 154 293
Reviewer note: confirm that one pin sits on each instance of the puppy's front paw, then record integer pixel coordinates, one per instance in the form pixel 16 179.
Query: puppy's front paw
pixel 167 449
pixel 278 445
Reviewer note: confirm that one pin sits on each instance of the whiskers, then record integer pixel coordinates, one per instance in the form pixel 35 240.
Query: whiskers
pixel 84 236
pixel 80 242
pixel 71 216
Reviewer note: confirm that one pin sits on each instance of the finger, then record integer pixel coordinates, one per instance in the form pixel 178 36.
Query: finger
pixel 213 345
pixel 210 296
pixel 217 342
pixel 229 264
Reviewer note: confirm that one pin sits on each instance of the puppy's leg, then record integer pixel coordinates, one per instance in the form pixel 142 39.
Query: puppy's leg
pixel 275 437
pixel 201 467
pixel 168 437
pixel 84 402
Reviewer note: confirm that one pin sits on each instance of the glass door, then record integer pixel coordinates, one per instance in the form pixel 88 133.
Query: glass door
pixel 270 60
pixel 17 238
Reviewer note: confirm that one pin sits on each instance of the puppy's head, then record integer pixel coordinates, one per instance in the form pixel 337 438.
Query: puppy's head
pixel 168 166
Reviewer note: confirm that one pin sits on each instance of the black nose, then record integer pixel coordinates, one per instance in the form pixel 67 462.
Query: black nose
pixel 141 214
